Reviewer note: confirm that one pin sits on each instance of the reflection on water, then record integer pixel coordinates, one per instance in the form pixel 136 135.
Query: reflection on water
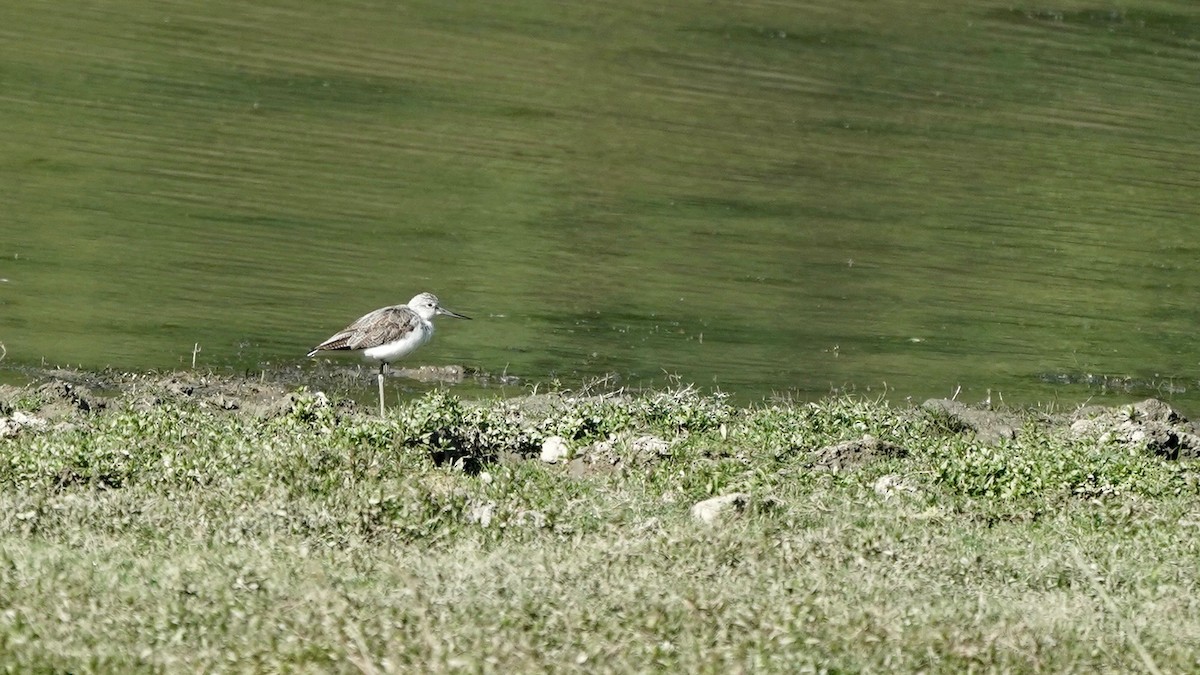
pixel 766 198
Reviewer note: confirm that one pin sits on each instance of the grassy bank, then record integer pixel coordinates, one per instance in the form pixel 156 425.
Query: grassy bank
pixel 168 533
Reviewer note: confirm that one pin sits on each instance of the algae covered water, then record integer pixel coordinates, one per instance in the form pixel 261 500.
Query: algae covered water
pixel 762 198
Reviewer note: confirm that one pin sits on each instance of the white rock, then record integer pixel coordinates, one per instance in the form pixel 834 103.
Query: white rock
pixel 1135 435
pixel 482 513
pixel 1083 427
pixel 534 519
pixel 555 449
pixel 11 426
pixel 710 510
pixel 651 445
pixel 602 448
pixel 891 484
pixel 28 420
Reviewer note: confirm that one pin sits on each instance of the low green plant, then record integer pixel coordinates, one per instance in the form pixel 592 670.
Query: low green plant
pixel 1042 468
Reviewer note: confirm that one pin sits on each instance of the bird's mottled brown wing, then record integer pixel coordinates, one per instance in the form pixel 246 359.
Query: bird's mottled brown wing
pixel 382 326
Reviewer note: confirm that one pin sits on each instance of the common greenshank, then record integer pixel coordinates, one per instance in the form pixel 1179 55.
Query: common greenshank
pixel 389 333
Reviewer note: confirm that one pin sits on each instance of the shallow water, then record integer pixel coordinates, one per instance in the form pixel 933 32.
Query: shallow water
pixel 768 198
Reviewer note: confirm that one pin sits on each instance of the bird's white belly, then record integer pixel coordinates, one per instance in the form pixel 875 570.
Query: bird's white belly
pixel 398 349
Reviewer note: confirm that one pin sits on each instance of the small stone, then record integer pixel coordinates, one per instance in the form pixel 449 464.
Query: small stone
pixel 530 518
pixel 577 468
pixel 602 448
pixel 8 428
pixel 891 484
pixel 989 426
pixel 452 374
pixel 858 452
pixel 19 421
pixel 29 421
pixel 554 449
pixel 225 403
pixel 1154 410
pixel 645 525
pixel 482 514
pixel 651 445
pixel 1150 426
pixel 1083 427
pixel 710 510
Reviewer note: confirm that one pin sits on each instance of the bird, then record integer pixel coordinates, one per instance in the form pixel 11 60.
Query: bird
pixel 389 333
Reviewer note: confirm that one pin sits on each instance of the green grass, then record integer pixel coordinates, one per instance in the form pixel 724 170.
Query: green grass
pixel 178 538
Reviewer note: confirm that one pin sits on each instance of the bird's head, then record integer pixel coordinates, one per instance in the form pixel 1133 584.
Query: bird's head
pixel 427 306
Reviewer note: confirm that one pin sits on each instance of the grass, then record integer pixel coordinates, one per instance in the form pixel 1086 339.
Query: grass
pixel 175 537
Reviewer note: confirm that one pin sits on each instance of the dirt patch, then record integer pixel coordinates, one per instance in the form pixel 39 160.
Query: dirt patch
pixel 1151 426
pixel 989 426
pixel 619 453
pixel 61 392
pixel 850 454
pixel 56 393
pixel 64 398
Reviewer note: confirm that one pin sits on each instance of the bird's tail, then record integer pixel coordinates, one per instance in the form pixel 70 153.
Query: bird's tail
pixel 314 352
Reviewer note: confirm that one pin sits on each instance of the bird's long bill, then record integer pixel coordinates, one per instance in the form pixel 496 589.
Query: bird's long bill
pixel 443 310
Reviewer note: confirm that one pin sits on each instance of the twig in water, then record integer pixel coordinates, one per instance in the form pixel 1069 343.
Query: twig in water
pixel 195 351
pixel 3 351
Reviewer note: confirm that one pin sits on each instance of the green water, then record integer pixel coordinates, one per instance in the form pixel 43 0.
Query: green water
pixel 899 197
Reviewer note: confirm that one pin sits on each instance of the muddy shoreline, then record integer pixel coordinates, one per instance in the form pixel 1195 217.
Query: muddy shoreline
pixel 90 391
pixel 65 397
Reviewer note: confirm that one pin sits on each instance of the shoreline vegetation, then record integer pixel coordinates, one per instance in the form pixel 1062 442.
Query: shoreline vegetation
pixel 184 521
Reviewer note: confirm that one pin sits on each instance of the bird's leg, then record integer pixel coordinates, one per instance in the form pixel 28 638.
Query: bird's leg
pixel 382 366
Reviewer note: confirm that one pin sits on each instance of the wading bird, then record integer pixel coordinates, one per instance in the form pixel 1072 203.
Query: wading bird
pixel 389 333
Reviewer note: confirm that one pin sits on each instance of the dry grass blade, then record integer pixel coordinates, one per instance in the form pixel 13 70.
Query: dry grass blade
pixel 1128 629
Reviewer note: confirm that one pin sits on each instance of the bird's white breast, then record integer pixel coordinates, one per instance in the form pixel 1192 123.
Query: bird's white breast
pixel 402 347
